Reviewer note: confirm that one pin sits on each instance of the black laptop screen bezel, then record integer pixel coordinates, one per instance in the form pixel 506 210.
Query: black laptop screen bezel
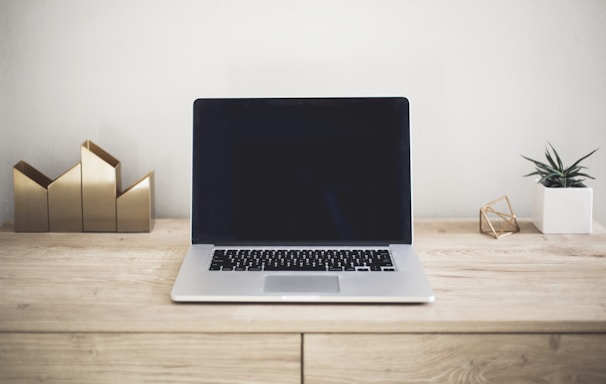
pixel 211 219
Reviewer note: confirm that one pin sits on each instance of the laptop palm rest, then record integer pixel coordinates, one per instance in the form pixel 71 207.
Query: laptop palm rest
pixel 301 284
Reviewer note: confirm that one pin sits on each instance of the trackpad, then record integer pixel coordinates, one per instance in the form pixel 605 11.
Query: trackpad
pixel 302 284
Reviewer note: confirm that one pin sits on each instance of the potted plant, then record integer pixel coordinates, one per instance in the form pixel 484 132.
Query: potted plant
pixel 562 202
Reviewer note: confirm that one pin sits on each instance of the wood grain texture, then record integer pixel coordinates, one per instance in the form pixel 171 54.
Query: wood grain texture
pixel 450 358
pixel 149 358
pixel 103 282
pixel 528 308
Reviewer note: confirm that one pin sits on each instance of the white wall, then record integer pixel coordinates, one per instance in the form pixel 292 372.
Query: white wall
pixel 487 81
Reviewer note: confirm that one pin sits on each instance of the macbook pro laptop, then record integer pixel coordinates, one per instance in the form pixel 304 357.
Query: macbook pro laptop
pixel 301 200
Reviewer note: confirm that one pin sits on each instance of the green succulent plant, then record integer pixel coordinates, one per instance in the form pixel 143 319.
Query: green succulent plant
pixel 553 173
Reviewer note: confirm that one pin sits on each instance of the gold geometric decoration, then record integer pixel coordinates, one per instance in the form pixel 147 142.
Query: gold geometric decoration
pixel 31 198
pixel 100 187
pixel 497 218
pixel 86 197
pixel 65 201
pixel 135 206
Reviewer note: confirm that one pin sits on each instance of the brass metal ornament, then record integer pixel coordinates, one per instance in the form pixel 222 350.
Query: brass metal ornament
pixel 101 177
pixel 31 198
pixel 135 206
pixel 65 201
pixel 497 218
pixel 86 198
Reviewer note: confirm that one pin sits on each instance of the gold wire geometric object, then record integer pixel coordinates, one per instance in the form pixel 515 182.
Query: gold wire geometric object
pixel 85 198
pixel 496 222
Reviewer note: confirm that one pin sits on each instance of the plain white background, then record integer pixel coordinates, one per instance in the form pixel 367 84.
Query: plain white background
pixel 487 81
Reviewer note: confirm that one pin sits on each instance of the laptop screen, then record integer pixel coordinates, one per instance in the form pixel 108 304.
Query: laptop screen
pixel 301 171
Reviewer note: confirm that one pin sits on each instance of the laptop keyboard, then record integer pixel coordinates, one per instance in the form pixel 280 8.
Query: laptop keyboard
pixel 367 260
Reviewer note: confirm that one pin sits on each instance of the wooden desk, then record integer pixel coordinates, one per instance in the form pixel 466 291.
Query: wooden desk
pixel 80 308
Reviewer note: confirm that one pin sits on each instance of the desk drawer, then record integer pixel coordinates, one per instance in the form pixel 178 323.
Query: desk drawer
pixel 139 358
pixel 454 358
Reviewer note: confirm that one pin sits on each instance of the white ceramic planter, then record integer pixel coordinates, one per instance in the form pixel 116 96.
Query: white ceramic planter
pixel 563 210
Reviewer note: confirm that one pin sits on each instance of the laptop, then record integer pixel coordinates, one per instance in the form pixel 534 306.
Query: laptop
pixel 301 200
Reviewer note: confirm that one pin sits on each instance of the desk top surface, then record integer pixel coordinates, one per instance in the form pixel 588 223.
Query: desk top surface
pixel 101 282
